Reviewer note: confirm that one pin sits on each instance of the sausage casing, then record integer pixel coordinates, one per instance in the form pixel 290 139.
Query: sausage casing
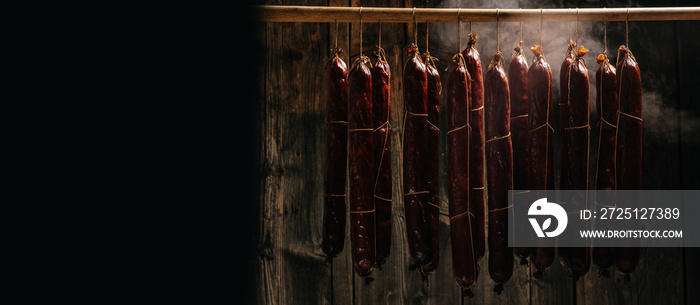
pixel 415 80
pixel 606 105
pixel 499 167
pixel 541 139
pixel 576 148
pixel 476 151
pixel 381 109
pixel 461 221
pixel 361 167
pixel 334 206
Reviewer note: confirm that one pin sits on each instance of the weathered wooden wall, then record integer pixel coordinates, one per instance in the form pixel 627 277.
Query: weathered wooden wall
pixel 290 266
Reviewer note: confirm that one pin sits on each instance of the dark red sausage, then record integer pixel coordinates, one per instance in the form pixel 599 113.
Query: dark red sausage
pixel 476 151
pixel 628 143
pixel 564 109
pixel 458 99
pixel 541 140
pixel 415 80
pixel 334 208
pixel 576 148
pixel 606 105
pixel 381 109
pixel 499 168
pixel 361 166
pixel 432 160
pixel 519 126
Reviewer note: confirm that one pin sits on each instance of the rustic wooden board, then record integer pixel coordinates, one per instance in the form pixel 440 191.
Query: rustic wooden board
pixel 291 268
pixel 688 79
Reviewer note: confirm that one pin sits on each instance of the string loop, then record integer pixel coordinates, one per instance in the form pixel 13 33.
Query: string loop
pixel 415 28
pixel 627 29
pixel 459 28
pixel 361 32
pixel 498 31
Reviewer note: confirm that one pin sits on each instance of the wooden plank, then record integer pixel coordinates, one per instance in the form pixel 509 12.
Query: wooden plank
pixel 290 263
pixel 656 278
pixel 292 139
pixel 688 79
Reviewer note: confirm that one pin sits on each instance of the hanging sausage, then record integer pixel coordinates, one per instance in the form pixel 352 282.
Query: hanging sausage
pixel 432 160
pixel 499 166
pixel 628 174
pixel 476 149
pixel 458 143
pixel 575 146
pixel 415 122
pixel 381 109
pixel 519 126
pixel 607 107
pixel 361 167
pixel 541 138
pixel 334 206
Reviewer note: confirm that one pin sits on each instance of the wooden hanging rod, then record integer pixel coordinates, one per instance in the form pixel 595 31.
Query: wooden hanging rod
pixel 279 13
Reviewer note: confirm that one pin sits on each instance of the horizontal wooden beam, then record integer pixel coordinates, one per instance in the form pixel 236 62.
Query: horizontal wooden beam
pixel 278 13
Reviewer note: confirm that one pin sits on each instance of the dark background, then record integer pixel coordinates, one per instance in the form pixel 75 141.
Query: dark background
pixel 286 183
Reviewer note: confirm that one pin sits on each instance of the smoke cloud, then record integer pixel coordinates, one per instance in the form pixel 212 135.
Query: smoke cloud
pixel 657 111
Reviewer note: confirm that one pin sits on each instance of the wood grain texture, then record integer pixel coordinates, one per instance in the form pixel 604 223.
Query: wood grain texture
pixel 290 265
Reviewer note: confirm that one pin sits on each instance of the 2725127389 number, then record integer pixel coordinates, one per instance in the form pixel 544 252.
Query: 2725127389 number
pixel 639 213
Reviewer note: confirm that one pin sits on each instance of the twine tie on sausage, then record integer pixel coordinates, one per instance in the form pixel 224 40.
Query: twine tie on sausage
pixel 498 31
pixel 541 126
pixel 461 215
pixel 602 120
pixel 605 205
pixel 501 209
pixel 379 44
pixel 477 109
pixel 381 158
pixel 457 129
pixel 577 26
pixel 578 127
pixel 415 114
pixel 361 31
pixel 360 129
pixel 362 57
pixel 427 36
pixel 362 211
pixel 432 204
pixel 459 29
pixel 499 138
pixel 416 193
pixel 334 195
pixel 415 28
pixel 630 116
pixel 541 22
pixel 382 198
pixel 336 33
pixel 431 124
pixel 605 39
pixel 627 29
pixel 381 126
pixel 521 34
